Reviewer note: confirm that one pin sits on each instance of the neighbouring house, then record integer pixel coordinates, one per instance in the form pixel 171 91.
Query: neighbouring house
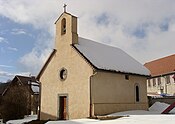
pixel 28 86
pixel 83 78
pixel 162 80
pixel 3 86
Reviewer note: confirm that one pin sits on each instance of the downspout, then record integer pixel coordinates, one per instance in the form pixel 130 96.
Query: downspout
pixel 90 83
pixel 39 106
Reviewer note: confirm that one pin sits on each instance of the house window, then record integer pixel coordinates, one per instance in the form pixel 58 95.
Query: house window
pixel 137 93
pixel 127 77
pixel 63 74
pixel 167 79
pixel 174 78
pixel 149 83
pixel 154 82
pixel 63 26
pixel 159 80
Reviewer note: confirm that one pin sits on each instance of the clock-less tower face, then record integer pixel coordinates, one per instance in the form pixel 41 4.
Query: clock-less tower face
pixel 63 74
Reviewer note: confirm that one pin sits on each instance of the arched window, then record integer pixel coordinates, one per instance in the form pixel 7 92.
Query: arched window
pixel 63 26
pixel 137 93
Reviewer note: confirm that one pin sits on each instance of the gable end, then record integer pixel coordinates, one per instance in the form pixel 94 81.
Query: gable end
pixel 46 64
pixel 86 59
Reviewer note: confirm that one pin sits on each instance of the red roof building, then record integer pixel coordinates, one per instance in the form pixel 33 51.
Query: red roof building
pixel 162 80
pixel 161 66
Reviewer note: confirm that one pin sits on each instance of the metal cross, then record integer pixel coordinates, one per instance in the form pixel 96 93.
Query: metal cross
pixel 64 7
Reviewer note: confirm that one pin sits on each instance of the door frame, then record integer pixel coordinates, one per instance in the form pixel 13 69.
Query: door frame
pixel 58 105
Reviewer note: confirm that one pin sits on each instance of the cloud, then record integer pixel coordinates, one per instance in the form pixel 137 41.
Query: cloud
pixel 12 75
pixel 6 66
pixel 34 60
pixel 33 12
pixel 5 74
pixel 12 49
pixel 3 40
pixel 143 28
pixel 18 31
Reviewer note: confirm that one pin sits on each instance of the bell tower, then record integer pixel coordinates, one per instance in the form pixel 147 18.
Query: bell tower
pixel 66 30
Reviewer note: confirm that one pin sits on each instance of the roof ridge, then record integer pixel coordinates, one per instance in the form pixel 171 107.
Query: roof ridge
pixel 160 59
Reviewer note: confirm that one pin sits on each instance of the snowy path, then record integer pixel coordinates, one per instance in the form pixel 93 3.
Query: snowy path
pixel 133 119
pixel 21 121
pixel 152 116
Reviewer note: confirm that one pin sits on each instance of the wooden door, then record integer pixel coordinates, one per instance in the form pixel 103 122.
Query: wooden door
pixel 63 107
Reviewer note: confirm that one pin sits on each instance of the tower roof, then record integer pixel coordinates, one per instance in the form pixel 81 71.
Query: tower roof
pixel 63 14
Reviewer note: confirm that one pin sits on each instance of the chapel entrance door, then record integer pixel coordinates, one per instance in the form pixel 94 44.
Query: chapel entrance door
pixel 62 107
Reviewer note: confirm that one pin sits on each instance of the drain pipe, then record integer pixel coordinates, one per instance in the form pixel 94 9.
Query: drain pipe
pixel 90 83
pixel 39 106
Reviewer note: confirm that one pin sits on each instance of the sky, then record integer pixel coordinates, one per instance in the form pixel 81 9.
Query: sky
pixel 145 29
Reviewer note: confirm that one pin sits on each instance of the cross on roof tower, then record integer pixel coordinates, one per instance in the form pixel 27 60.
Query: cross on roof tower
pixel 64 7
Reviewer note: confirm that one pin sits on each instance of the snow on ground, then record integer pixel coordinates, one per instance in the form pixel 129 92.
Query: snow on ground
pixel 132 119
pixel 21 121
pixel 152 116
pixel 76 121
pixel 135 112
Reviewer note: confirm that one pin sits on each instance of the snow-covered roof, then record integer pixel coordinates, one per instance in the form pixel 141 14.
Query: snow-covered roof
pixel 109 58
pixel 34 87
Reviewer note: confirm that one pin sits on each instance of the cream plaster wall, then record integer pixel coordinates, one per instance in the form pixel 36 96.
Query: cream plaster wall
pixel 76 85
pixel 111 92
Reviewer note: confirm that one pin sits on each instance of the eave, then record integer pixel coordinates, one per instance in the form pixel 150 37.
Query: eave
pixel 161 75
pixel 46 64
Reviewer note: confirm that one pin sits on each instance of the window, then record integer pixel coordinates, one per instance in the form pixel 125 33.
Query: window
pixel 149 83
pixel 137 93
pixel 127 77
pixel 159 80
pixel 167 79
pixel 63 26
pixel 63 74
pixel 154 82
pixel 174 78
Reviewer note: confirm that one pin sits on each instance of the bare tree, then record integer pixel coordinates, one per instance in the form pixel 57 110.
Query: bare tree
pixel 15 103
